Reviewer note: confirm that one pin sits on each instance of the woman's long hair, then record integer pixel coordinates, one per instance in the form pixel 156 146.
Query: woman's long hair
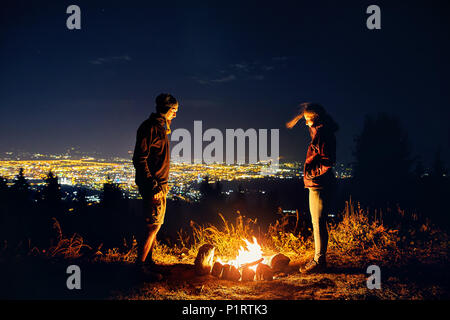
pixel 321 115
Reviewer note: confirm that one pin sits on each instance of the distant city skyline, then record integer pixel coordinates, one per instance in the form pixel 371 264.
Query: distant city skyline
pixel 231 67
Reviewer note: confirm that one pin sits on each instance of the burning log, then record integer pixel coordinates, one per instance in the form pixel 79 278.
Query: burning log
pixel 204 260
pixel 279 263
pixel 230 273
pixel 217 269
pixel 235 275
pixel 248 274
pixel 264 272
pixel 251 264
pixel 225 271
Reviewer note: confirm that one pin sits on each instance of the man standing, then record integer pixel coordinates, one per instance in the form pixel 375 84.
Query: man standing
pixel 151 159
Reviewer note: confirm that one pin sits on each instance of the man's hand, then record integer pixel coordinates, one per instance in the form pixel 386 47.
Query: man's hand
pixel 158 195
pixel 157 190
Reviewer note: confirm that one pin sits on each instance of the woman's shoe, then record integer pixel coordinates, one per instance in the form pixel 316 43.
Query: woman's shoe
pixel 313 267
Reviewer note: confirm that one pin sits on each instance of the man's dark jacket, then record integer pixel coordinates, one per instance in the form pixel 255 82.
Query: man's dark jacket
pixel 320 158
pixel 151 157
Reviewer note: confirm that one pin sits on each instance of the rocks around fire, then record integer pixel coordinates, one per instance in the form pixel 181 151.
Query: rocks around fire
pixel 279 263
pixel 217 269
pixel 204 265
pixel 248 274
pixel 264 272
pixel 230 273
pixel 204 260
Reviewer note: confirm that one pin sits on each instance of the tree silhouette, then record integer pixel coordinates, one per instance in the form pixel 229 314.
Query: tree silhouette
pixel 210 192
pixel 205 188
pixel 383 161
pixel 49 205
pixel 52 191
pixel 112 197
pixel 112 213
pixel 218 188
pixel 3 188
pixel 4 197
pixel 20 209
pixel 21 187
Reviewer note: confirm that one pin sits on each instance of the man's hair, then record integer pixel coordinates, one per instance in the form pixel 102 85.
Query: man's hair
pixel 164 102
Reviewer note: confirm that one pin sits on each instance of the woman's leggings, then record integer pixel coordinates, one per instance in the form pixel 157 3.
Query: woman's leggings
pixel 319 204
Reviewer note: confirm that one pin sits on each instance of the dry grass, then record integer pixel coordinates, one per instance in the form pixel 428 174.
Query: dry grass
pixel 128 254
pixel 357 241
pixel 282 237
pixel 68 248
pixel 403 250
pixel 357 237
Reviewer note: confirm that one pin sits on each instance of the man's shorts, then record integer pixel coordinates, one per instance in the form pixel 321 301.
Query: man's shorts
pixel 154 210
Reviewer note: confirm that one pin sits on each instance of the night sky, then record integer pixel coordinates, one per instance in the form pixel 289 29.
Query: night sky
pixel 231 67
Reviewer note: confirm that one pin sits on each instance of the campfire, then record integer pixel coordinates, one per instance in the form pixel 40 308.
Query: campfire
pixel 249 264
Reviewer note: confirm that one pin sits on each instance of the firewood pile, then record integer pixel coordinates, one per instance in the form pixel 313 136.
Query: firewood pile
pixel 255 270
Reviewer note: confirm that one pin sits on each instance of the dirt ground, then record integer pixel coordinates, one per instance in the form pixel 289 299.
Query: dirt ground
pixel 339 282
pixel 36 278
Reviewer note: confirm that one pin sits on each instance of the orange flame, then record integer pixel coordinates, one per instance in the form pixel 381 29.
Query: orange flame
pixel 251 253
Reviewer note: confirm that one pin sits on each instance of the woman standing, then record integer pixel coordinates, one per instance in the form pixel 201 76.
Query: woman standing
pixel 318 176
